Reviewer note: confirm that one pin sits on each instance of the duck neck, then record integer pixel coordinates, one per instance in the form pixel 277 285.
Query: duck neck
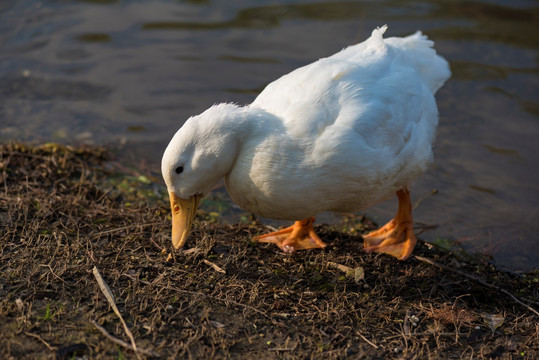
pixel 236 121
pixel 241 123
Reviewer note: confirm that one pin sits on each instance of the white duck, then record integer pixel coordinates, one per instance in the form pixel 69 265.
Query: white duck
pixel 340 134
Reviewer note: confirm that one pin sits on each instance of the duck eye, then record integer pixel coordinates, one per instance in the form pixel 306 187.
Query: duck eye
pixel 179 170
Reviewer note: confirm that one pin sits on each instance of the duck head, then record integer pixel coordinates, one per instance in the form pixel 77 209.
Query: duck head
pixel 201 153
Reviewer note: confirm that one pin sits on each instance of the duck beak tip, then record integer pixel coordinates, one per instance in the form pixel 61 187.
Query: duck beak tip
pixel 183 213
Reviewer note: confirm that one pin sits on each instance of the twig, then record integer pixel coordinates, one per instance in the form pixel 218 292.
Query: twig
pixel 52 272
pixel 479 280
pixel 272 228
pixel 214 266
pixel 285 346
pixel 121 342
pixel 156 245
pixel 109 231
pixel 425 333
pixel 367 340
pixel 40 339
pixel 110 298
pixel 432 192
pixel 208 296
pixel 282 349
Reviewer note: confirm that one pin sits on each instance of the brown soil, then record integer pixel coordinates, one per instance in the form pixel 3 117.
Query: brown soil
pixel 225 297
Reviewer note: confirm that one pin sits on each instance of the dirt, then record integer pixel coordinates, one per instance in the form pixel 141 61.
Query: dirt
pixel 61 215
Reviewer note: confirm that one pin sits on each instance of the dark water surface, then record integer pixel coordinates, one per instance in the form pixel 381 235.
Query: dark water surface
pixel 129 73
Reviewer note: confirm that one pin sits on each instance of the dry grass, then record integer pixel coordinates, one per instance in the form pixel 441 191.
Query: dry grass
pixel 224 297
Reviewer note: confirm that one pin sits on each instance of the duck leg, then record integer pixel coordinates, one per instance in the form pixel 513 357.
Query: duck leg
pixel 299 236
pixel 396 238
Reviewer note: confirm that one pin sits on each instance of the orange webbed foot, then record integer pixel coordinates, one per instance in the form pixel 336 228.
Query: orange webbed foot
pixel 397 237
pixel 299 236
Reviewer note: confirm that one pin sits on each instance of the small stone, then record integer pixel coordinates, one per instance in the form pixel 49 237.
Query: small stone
pixel 19 304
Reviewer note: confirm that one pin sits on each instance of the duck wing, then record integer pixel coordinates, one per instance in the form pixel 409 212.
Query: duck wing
pixel 367 113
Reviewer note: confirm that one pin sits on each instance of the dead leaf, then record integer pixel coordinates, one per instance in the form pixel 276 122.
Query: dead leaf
pixel 493 321
pixel 191 251
pixel 217 324
pixel 357 273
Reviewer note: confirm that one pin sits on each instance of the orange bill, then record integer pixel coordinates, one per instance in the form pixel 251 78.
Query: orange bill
pixel 183 213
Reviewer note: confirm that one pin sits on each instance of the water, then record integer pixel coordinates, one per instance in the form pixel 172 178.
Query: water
pixel 128 74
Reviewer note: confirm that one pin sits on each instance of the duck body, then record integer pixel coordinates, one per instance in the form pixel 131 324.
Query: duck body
pixel 340 134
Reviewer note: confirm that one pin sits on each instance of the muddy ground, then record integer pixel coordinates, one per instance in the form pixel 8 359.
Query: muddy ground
pixel 61 215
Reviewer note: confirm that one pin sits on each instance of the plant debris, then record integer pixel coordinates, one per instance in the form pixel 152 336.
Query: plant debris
pixel 224 297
